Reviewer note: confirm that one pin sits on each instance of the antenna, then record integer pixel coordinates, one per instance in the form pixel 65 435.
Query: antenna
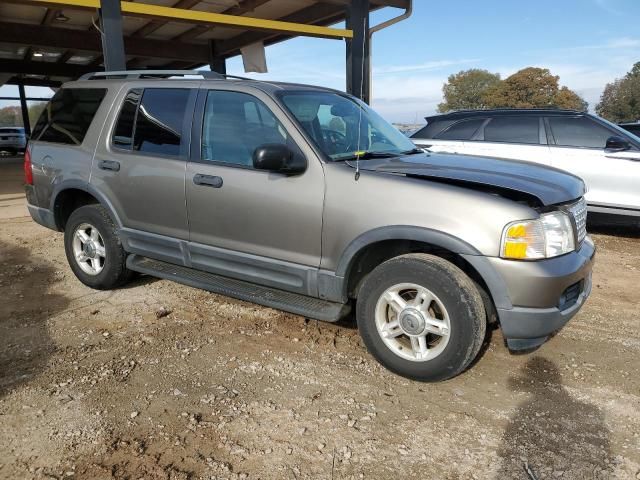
pixel 357 175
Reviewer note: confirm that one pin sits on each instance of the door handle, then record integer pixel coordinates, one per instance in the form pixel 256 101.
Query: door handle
pixel 109 165
pixel 208 180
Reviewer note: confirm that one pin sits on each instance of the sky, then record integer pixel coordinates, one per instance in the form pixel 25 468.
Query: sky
pixel 588 43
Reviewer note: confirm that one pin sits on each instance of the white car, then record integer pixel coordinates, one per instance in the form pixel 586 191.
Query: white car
pixel 12 140
pixel 604 155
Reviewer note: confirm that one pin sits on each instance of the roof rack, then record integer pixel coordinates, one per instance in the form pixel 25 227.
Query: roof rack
pixel 140 74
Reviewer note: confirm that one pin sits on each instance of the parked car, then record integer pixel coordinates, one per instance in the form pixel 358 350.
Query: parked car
pixel 12 140
pixel 303 199
pixel 633 127
pixel 604 155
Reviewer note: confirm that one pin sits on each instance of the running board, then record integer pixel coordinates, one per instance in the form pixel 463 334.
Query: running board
pixel 269 297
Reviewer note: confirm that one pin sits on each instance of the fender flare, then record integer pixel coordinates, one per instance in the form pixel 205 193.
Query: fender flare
pixel 494 281
pixel 88 188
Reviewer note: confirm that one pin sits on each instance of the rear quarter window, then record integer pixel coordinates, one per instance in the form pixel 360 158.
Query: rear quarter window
pixel 462 130
pixel 68 116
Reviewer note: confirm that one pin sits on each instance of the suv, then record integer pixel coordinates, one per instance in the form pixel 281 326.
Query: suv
pixel 633 127
pixel 303 199
pixel 604 155
pixel 12 140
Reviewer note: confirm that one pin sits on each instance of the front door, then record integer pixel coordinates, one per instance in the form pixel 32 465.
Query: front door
pixel 245 223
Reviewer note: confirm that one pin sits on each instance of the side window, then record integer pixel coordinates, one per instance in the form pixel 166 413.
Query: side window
pixel 123 133
pixel 513 130
pixel 462 130
pixel 158 127
pixel 432 129
pixel 578 132
pixel 234 125
pixel 68 115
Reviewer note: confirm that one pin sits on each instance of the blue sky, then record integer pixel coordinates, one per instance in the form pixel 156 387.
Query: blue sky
pixel 586 42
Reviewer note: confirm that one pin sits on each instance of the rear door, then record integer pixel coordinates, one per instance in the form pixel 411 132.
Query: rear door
pixel 613 179
pixel 245 223
pixel 511 137
pixel 141 159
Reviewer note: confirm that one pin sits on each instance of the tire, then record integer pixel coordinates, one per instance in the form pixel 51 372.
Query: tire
pixel 451 305
pixel 99 272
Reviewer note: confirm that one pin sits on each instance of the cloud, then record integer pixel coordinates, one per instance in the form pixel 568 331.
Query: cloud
pixel 434 65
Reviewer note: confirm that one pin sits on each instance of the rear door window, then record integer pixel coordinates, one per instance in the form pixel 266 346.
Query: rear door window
pixel 463 130
pixel 579 132
pixel 160 121
pixel 511 129
pixel 68 115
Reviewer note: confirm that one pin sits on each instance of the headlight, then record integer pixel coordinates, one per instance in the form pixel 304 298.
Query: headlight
pixel 549 236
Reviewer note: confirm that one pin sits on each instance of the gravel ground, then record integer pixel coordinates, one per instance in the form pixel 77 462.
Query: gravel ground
pixel 159 380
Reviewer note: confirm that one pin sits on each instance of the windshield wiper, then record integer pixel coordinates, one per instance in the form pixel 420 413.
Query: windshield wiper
pixel 368 155
pixel 413 151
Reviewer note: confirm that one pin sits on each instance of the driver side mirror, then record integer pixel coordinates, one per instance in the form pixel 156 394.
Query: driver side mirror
pixel 617 144
pixel 277 157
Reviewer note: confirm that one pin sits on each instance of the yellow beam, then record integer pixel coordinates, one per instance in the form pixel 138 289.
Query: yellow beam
pixel 195 16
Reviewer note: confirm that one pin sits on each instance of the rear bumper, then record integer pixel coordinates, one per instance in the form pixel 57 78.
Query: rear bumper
pixel 42 216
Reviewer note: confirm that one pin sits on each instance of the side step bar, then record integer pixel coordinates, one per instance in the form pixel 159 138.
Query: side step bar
pixel 269 297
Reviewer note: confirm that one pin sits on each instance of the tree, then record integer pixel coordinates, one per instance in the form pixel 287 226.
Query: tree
pixel 533 87
pixel 11 116
pixel 620 100
pixel 466 89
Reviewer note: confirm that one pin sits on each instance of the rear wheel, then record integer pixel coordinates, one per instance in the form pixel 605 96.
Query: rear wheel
pixel 421 317
pixel 93 249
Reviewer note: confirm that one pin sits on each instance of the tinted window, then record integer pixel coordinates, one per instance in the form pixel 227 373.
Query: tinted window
pixel 159 121
pixel 463 130
pixel 513 130
pixel 123 133
pixel 432 129
pixel 578 132
pixel 68 115
pixel 235 124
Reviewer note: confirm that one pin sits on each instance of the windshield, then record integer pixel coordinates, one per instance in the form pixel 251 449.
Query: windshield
pixel 344 127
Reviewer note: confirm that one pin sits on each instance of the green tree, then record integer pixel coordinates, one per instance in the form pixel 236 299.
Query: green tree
pixel 10 117
pixel 620 100
pixel 533 87
pixel 466 90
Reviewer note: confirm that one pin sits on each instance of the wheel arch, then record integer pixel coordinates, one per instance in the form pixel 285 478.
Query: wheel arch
pixel 69 196
pixel 370 249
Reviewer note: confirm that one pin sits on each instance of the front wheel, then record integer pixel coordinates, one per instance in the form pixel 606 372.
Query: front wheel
pixel 421 317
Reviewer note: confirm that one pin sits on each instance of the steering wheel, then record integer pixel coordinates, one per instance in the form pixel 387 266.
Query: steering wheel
pixel 337 140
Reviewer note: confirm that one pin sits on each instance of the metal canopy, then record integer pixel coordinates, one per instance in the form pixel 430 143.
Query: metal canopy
pixel 46 42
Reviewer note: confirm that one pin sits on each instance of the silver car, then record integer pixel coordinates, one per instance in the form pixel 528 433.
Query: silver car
pixel 303 199
pixel 12 140
pixel 604 155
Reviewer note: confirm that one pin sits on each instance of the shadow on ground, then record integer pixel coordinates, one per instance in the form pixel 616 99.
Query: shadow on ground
pixel 553 432
pixel 628 227
pixel 25 306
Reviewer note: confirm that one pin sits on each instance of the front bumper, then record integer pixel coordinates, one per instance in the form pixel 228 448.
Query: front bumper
pixel 535 299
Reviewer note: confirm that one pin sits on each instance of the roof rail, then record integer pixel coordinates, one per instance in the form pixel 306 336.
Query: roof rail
pixel 138 74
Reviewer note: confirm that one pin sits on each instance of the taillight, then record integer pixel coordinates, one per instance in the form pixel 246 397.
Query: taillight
pixel 28 171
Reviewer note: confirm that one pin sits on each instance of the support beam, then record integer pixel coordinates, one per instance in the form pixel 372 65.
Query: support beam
pixel 33 82
pixel 49 69
pixel 358 55
pixel 217 62
pixel 24 108
pixel 89 41
pixel 112 38
pixel 318 14
pixel 199 17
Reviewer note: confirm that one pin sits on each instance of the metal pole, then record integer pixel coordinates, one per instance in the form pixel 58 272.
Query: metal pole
pixel 112 39
pixel 25 110
pixel 358 54
pixel 217 63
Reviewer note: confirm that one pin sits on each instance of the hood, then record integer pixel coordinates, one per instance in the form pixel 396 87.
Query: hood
pixel 548 185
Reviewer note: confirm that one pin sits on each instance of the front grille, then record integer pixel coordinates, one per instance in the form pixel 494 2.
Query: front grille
pixel 579 212
pixel 570 296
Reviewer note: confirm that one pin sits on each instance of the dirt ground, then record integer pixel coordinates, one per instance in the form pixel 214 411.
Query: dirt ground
pixel 107 385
